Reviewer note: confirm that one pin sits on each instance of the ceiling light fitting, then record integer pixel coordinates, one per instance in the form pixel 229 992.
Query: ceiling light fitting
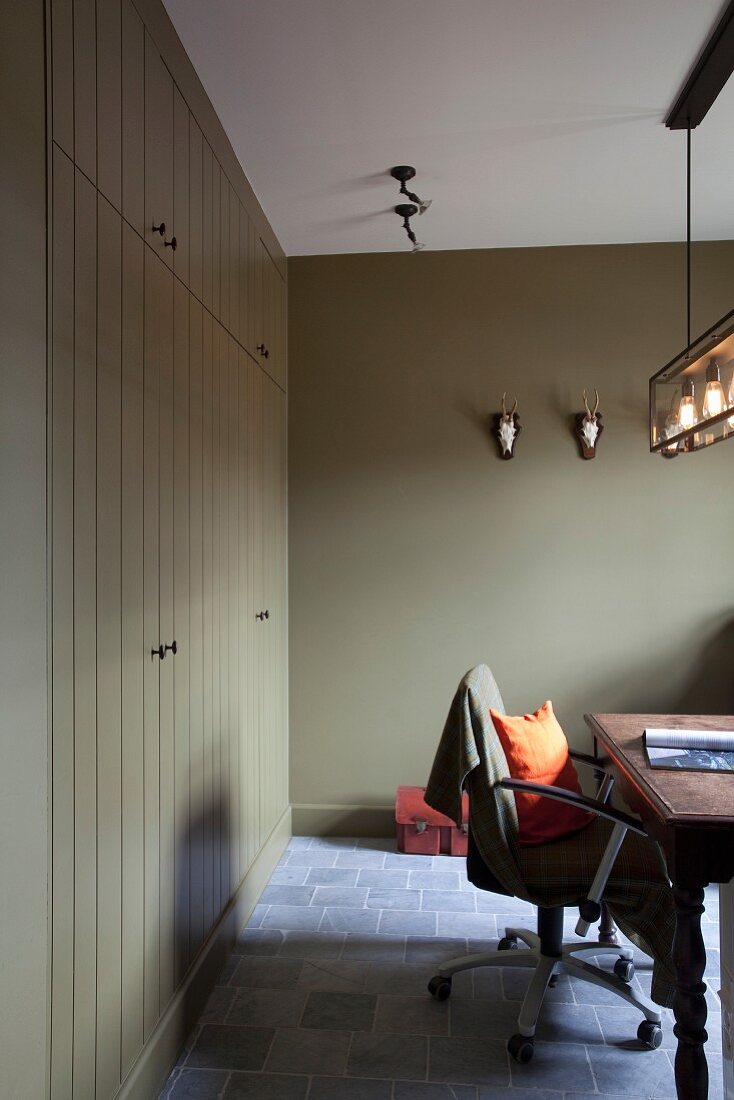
pixel 676 424
pixel 403 173
pixel 406 210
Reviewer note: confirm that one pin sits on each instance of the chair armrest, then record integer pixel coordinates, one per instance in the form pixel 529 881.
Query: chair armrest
pixel 604 779
pixel 583 802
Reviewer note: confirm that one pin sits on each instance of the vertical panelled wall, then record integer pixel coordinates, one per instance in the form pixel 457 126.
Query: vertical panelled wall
pixel 167 458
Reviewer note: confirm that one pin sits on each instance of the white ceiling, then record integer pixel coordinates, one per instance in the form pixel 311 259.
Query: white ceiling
pixel 530 122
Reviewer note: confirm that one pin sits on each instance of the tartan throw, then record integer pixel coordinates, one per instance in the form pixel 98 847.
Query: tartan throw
pixel 638 893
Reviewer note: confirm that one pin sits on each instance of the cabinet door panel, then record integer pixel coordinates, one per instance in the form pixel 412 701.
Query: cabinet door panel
pixel 85 90
pixel 233 617
pixel 109 101
pixel 223 553
pixel 196 227
pixel 181 631
pixel 256 590
pixel 217 340
pixel 234 265
pixel 216 238
pixel 171 306
pixel 181 186
pixel 155 304
pixel 134 657
pixel 133 118
pixel 196 630
pixel 208 225
pixel 246 759
pixel 85 636
pixel 224 260
pixel 158 151
pixel 109 653
pixel 244 279
pixel 62 68
pixel 62 666
pixel 207 569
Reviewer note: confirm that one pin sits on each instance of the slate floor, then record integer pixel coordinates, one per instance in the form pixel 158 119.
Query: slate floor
pixel 324 996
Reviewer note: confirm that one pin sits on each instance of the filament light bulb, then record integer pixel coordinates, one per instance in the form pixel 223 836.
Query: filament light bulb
pixel 687 414
pixel 714 401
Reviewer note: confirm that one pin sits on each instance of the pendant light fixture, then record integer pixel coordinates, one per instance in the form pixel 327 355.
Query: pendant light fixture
pixel 677 424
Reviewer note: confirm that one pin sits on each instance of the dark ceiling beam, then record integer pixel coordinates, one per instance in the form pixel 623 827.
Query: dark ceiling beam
pixel 709 75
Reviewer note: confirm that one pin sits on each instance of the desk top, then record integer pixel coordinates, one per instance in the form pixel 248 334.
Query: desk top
pixel 679 798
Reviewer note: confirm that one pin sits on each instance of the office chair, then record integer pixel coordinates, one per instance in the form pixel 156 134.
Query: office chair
pixel 545 951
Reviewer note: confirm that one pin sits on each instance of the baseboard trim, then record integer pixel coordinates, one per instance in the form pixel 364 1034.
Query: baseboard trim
pixel 158 1057
pixel 334 819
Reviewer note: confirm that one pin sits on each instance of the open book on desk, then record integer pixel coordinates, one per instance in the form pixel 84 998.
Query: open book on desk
pixel 691 750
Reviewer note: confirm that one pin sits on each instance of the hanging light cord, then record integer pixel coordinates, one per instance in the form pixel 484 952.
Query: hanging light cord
pixel 688 239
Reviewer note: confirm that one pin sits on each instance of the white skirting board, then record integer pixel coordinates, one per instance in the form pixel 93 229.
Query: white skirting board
pixel 334 819
pixel 158 1056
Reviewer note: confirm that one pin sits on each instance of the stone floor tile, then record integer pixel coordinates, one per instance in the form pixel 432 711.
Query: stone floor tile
pixel 316 857
pixel 392 1056
pixel 259 941
pixel 225 975
pixel 266 972
pixel 267 1008
pixel 341 843
pixel 410 979
pixel 349 1088
pixel 293 916
pixel 332 876
pixel 309 1050
pixel 515 985
pixel 374 948
pixel 266 1086
pixel 434 880
pixel 409 863
pixel 340 897
pixel 289 876
pixel 387 880
pixel 420 1090
pixel 333 976
pixel 420 1015
pixel 198 1084
pixel 448 901
pixel 567 1023
pixel 379 843
pixel 288 895
pixel 361 857
pixel 256 916
pixel 340 1011
pixel 554 1069
pixel 312 945
pixel 218 1005
pixel 349 920
pixel 222 1046
pixel 476 925
pixel 488 984
pixel 479 1018
pixel 420 949
pixel 632 1070
pixel 468 1061
pixel 300 842
pixel 449 863
pixel 394 921
pixel 393 899
pixel 492 1092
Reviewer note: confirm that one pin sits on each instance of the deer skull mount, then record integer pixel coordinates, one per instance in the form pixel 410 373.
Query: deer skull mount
pixel 507 429
pixel 589 426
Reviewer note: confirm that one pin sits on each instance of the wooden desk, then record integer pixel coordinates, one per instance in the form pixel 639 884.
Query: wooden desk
pixel 691 815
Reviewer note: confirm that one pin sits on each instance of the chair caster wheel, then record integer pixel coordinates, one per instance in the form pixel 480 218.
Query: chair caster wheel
pixel 508 943
pixel 650 1034
pixel 440 987
pixel 624 969
pixel 521 1048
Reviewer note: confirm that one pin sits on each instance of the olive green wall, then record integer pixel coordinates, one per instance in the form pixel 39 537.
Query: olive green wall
pixel 415 552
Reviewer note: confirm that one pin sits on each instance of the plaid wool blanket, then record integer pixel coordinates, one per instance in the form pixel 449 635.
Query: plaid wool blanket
pixel 638 893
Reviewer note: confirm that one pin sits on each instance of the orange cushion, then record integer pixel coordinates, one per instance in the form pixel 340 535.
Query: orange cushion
pixel 537 750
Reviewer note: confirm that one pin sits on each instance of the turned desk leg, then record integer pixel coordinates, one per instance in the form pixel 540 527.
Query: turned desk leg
pixel 607 927
pixel 689 1002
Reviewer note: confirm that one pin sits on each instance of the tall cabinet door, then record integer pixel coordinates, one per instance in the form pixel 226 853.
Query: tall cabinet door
pixel 158 153
pixel 257 796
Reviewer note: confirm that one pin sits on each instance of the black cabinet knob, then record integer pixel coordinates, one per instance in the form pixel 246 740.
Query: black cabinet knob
pixel 261 615
pixel 171 244
pixel 173 648
pixel 263 351
pixel 266 614
pixel 159 652
pixel 160 229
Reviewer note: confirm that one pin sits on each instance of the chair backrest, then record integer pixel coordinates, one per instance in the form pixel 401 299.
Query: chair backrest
pixel 470 755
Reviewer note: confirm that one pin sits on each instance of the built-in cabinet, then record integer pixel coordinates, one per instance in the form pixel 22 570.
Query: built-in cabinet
pixel 168 542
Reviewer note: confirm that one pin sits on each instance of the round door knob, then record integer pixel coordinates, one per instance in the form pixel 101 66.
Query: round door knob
pixel 173 648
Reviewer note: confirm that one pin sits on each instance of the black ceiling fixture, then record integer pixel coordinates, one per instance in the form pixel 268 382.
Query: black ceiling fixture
pixel 701 361
pixel 403 173
pixel 406 210
pixel 708 76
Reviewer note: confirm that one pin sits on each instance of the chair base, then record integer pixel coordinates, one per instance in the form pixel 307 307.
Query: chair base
pixel 545 967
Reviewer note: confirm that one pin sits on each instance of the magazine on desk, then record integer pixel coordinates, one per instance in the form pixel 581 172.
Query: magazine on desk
pixel 691 750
